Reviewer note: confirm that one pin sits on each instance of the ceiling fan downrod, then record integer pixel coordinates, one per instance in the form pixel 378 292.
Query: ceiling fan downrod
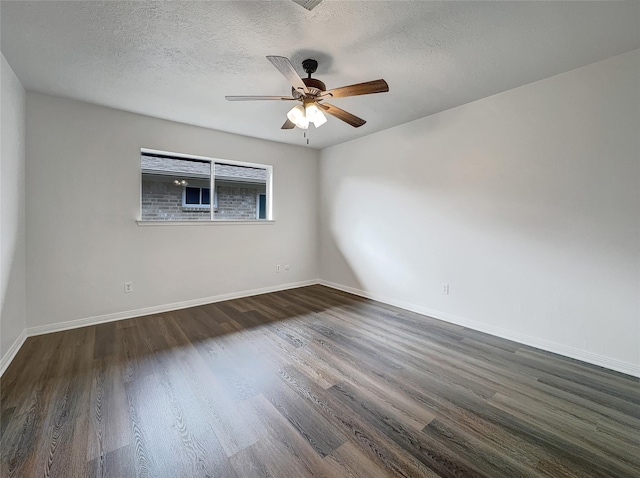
pixel 309 66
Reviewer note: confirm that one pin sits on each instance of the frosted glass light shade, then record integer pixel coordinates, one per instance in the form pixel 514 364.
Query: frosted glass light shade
pixel 319 119
pixel 314 115
pixel 297 116
pixel 311 110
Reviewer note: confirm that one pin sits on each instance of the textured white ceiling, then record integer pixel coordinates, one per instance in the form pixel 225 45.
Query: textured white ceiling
pixel 177 60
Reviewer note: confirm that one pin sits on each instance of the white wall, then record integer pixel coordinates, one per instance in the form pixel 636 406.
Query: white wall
pixel 12 220
pixel 83 189
pixel 526 203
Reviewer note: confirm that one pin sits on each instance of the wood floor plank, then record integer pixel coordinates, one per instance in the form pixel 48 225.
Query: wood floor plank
pixel 349 460
pixel 323 436
pixel 434 455
pixel 105 340
pixel 176 409
pixel 290 443
pixel 233 427
pixel 116 464
pixel 108 411
pixel 309 382
pixel 5 419
pixel 37 365
pixel 266 459
pixel 626 457
pixel 367 439
pixel 19 443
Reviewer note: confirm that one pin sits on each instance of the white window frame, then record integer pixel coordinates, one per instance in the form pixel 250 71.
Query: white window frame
pixel 213 188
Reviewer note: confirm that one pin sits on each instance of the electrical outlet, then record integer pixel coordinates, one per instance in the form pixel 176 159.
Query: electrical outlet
pixel 445 289
pixel 128 287
pixel 278 268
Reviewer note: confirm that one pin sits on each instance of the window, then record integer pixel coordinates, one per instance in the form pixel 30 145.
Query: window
pixel 262 206
pixel 178 187
pixel 196 197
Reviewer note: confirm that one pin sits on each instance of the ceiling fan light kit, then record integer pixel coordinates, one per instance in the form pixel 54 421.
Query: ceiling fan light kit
pixel 312 93
pixel 302 116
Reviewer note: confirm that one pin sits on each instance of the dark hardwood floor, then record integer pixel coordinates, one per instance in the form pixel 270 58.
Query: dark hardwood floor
pixel 309 382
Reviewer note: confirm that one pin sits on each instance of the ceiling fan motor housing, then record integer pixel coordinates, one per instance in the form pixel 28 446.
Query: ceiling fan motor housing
pixel 314 85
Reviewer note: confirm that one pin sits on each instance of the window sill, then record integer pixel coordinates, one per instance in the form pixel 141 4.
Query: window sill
pixel 220 222
pixel 196 209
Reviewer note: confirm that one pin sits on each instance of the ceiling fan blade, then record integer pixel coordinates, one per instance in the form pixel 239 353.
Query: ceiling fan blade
pixel 308 4
pixel 288 125
pixel 252 98
pixel 285 67
pixel 367 88
pixel 342 114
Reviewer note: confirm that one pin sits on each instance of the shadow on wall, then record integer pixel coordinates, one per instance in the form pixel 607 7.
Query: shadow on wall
pixel 377 247
pixel 341 262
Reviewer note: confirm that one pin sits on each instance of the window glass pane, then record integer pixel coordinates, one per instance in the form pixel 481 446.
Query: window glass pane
pixel 171 188
pixel 237 190
pixel 192 195
pixel 206 197
pixel 262 206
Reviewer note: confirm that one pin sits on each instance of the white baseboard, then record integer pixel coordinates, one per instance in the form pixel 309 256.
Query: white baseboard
pixel 129 314
pixel 585 356
pixel 13 350
pixel 554 347
pixel 157 309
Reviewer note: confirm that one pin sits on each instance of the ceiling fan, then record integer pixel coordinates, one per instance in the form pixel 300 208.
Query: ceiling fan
pixel 312 94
